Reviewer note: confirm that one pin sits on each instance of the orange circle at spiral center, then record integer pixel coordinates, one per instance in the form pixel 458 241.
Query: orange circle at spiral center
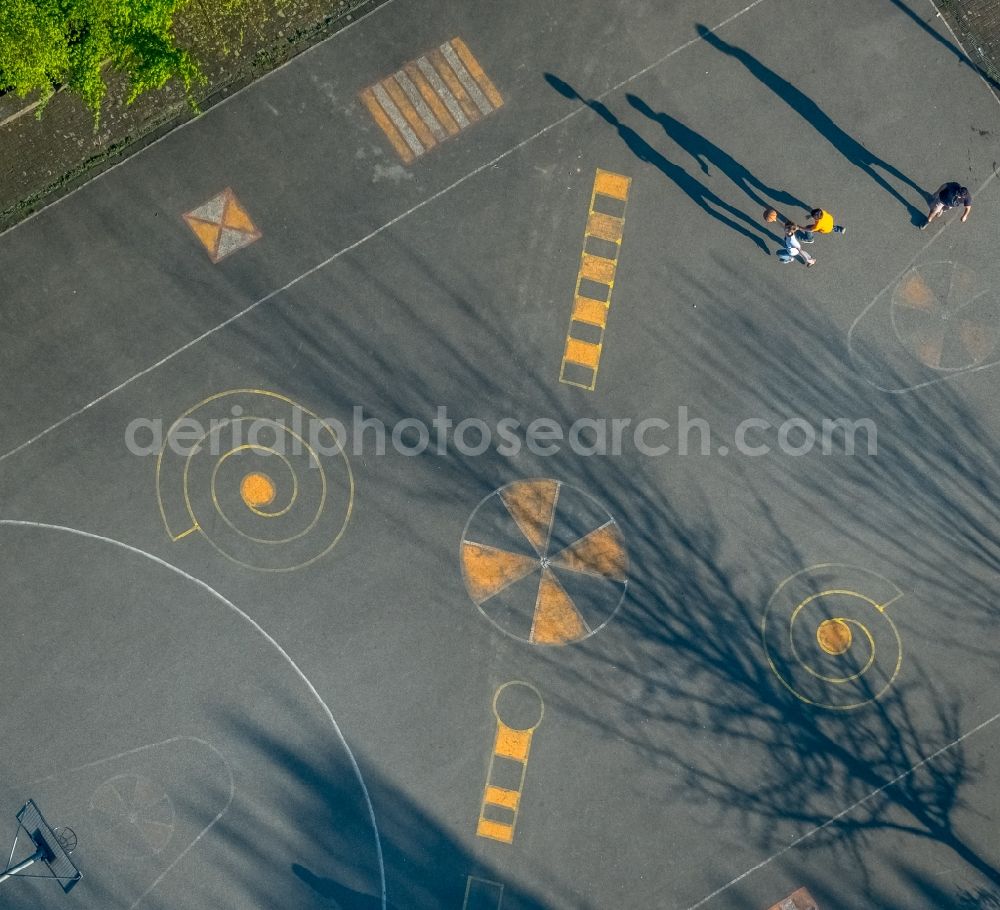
pixel 257 490
pixel 834 636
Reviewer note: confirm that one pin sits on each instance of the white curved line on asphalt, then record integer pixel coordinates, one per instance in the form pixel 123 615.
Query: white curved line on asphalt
pixel 11 522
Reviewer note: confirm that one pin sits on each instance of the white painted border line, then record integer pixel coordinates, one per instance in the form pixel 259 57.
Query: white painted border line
pixel 388 224
pixel 39 525
pixel 841 814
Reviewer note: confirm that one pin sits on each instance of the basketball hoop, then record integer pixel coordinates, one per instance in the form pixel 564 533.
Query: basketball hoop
pixel 52 848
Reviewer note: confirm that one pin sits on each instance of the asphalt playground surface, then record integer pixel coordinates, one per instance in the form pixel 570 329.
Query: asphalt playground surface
pixel 758 673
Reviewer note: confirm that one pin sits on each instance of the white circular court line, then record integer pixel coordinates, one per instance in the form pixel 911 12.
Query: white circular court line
pixel 11 522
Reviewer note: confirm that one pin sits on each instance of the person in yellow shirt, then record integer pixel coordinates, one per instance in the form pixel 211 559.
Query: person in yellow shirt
pixel 822 223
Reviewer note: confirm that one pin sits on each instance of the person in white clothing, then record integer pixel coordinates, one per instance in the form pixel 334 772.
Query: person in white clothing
pixel 793 247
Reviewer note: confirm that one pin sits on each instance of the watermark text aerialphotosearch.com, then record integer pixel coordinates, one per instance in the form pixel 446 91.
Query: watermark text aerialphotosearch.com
pixel 471 436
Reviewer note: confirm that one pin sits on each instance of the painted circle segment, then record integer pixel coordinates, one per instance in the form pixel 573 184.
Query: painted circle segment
pixel 544 562
pixel 943 319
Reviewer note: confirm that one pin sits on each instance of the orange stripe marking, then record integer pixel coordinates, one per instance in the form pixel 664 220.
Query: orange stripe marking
pixel 409 112
pixel 476 71
pixel 388 127
pixel 451 80
pixel 431 97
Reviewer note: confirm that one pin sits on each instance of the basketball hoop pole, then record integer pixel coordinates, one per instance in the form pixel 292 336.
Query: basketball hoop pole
pixel 21 866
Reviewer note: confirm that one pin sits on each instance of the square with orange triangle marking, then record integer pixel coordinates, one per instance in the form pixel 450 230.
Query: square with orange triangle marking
pixel 222 225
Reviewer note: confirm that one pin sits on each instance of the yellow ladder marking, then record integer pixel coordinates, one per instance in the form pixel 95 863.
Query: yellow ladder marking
pixel 582 354
pixel 510 745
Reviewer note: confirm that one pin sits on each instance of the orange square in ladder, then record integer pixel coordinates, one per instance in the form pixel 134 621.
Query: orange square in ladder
pixel 582 352
pixel 222 225
pixel 512 743
pixel 609 184
pixel 598 268
pixel 594 312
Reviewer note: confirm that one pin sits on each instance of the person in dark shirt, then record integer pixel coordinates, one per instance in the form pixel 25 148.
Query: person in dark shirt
pixel 947 197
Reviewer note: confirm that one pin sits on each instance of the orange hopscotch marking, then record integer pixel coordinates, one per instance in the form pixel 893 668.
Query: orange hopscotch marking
pixel 522 706
pixel 431 99
pixel 582 355
pixel 222 225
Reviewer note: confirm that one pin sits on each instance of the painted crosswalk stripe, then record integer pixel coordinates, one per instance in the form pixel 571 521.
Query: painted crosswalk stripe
pixel 468 83
pixel 406 109
pixel 443 92
pixel 476 71
pixel 416 99
pixel 382 119
pixel 434 101
pixel 454 84
pixel 431 99
pixel 398 120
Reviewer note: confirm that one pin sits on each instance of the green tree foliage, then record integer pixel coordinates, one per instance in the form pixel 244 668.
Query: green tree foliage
pixel 48 42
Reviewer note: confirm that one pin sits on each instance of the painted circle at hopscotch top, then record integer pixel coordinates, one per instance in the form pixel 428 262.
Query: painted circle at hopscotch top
pixel 266 482
pixel 942 317
pixel 518 705
pixel 829 638
pixel 544 562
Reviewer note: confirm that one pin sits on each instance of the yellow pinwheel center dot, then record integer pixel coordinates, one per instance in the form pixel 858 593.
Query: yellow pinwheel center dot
pixel 834 636
pixel 257 490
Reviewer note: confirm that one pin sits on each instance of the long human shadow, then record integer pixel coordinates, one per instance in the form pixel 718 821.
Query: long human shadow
pixel 706 152
pixel 696 191
pixel 858 154
pixel 962 57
